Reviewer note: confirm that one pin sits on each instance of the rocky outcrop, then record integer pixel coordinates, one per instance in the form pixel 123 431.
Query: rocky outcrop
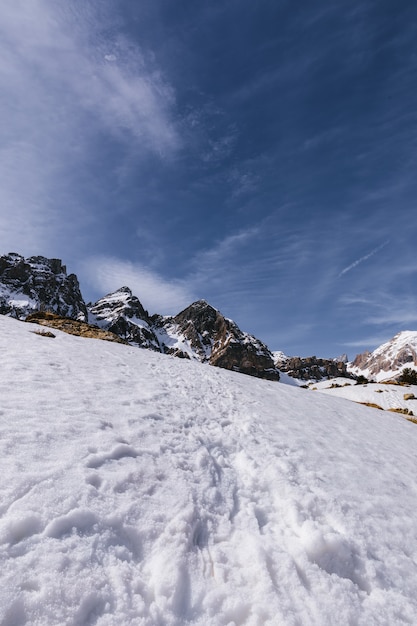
pixel 199 332
pixel 37 283
pixel 313 368
pixel 220 341
pixel 122 313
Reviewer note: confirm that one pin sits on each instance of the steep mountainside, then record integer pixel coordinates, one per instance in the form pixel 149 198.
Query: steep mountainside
pixel 35 283
pixel 198 332
pixel 122 313
pixel 204 331
pixel 389 359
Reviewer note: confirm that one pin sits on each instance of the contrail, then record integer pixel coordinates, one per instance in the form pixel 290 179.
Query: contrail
pixel 363 258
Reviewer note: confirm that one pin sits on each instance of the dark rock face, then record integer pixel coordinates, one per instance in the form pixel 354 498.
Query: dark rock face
pixel 220 341
pixel 123 314
pixel 36 283
pixel 198 332
pixel 312 368
pixel 199 323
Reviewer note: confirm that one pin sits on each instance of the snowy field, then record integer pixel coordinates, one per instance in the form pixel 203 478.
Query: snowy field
pixel 142 489
pixel 386 396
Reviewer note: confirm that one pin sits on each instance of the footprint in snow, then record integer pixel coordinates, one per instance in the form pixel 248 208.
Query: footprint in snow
pixel 119 452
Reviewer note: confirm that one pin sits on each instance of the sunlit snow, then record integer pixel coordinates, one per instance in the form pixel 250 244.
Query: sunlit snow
pixel 143 489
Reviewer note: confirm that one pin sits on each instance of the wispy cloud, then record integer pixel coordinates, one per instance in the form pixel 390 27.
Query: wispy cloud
pixel 368 343
pixel 224 248
pixel 362 259
pixel 68 80
pixel 106 274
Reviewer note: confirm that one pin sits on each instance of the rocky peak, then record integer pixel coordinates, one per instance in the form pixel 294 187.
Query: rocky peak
pixel 199 324
pixel 119 303
pixel 220 341
pixel 389 359
pixel 122 313
pixel 35 283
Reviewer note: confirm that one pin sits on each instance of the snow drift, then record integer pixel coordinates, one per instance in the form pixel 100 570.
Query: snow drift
pixel 138 488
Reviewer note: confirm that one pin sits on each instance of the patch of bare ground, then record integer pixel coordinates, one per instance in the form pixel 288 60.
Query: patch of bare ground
pixel 372 405
pixel 72 327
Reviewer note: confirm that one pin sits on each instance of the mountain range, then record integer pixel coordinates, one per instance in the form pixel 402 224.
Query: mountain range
pixel 199 332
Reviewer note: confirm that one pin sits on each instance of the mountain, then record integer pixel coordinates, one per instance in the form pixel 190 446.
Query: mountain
pixel 198 332
pixel 140 489
pixel 389 359
pixel 122 313
pixel 36 283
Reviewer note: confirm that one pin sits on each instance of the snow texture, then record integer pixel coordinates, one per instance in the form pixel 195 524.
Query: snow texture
pixel 144 489
pixel 387 396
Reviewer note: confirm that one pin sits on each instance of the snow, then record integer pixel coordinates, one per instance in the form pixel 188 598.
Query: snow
pixel 143 489
pixel 387 396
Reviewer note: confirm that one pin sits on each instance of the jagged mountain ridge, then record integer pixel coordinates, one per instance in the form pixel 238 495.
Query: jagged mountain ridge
pixel 198 332
pixel 388 360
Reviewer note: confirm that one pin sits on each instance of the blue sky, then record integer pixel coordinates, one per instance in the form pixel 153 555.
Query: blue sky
pixel 259 155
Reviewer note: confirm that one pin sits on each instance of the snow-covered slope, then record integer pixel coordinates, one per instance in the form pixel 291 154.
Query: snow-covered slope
pixel 385 396
pixel 148 490
pixel 389 359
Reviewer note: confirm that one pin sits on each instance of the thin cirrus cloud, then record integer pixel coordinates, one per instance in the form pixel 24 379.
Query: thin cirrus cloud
pixel 104 274
pixel 64 85
pixel 157 294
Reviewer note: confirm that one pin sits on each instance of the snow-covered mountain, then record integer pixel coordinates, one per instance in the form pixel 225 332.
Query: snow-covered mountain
pixel 198 332
pixel 123 314
pixel 389 359
pixel 143 489
pixel 28 285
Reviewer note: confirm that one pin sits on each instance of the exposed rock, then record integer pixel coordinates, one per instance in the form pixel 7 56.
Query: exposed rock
pixel 343 358
pixel 37 283
pixel 122 313
pixel 220 341
pixel 198 332
pixel 313 368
